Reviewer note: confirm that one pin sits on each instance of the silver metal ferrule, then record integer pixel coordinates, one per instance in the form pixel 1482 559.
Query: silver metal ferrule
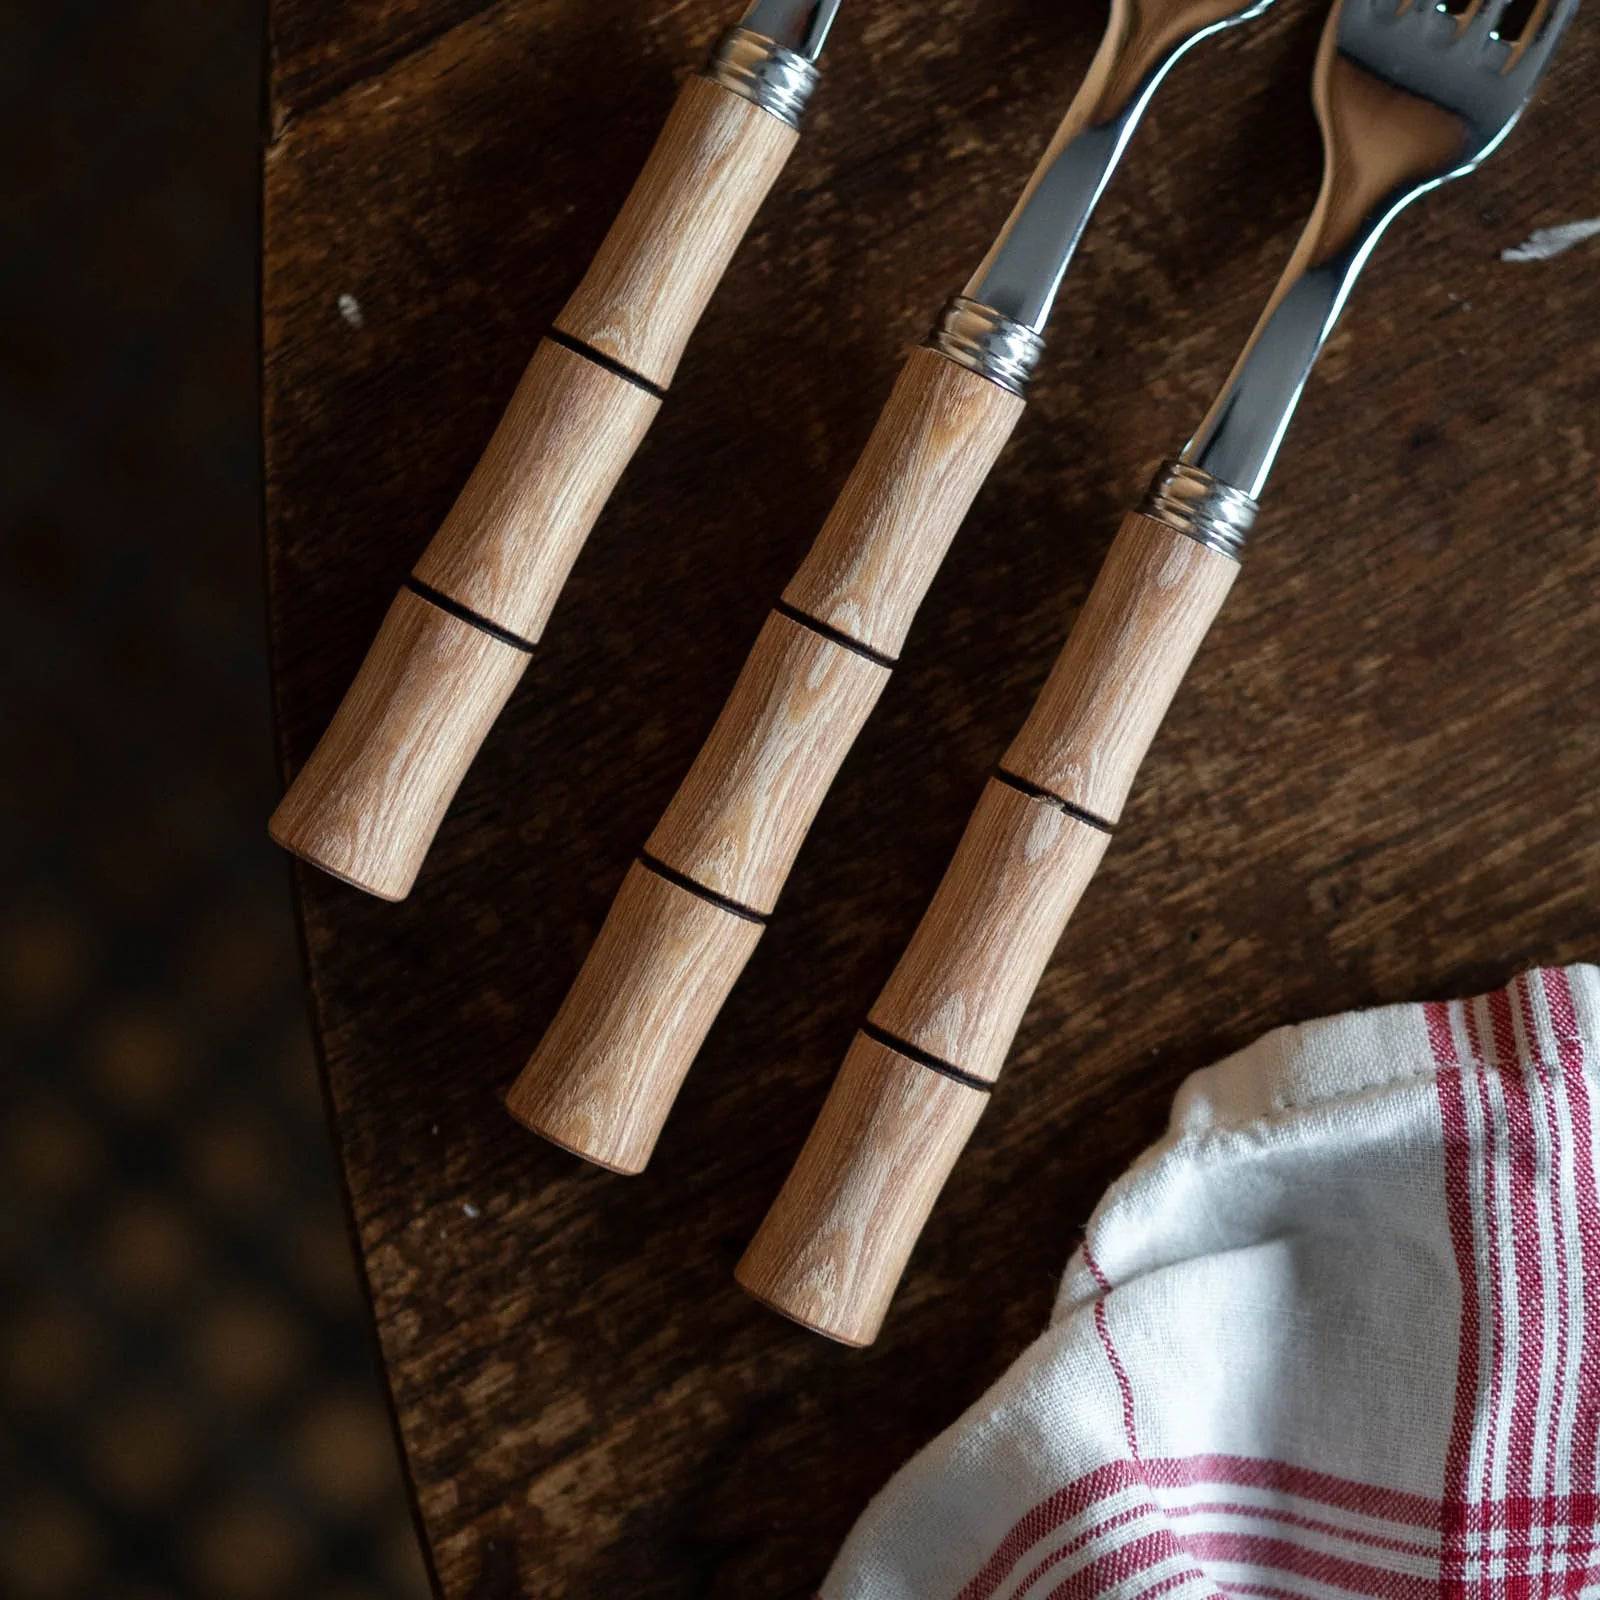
pixel 986 342
pixel 1191 502
pixel 763 72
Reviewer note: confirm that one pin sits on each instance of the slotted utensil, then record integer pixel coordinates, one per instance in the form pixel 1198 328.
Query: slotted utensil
pixel 366 805
pixel 693 905
pixel 1407 98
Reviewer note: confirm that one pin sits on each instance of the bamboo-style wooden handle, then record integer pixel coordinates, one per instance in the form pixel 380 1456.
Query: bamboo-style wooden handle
pixel 711 168
pixel 503 554
pixel 831 1250
pixel 1151 606
pixel 608 1101
pixel 741 814
pixel 931 448
pixel 731 834
pixel 837 1239
pixel 376 787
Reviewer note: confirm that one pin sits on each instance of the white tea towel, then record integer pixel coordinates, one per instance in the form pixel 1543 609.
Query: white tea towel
pixel 1337 1334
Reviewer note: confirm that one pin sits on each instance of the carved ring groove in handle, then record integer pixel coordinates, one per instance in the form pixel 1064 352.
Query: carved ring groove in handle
pixel 466 614
pixel 617 369
pixel 734 908
pixel 924 1058
pixel 1036 791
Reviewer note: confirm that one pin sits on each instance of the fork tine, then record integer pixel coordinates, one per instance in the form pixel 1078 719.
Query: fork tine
pixel 1483 20
pixel 1543 32
pixel 1531 26
pixel 1540 37
pixel 1467 15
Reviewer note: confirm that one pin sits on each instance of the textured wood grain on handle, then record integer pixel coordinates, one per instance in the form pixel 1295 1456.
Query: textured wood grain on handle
pixel 606 1073
pixel 599 1085
pixel 1151 605
pixel 952 1006
pixel 503 554
pixel 931 449
pixel 959 991
pixel 838 1236
pixel 739 818
pixel 732 832
pixel 506 546
pixel 366 805
pixel 711 168
pixel 494 569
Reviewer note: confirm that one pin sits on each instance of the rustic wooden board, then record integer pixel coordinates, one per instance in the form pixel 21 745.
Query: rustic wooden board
pixel 1377 784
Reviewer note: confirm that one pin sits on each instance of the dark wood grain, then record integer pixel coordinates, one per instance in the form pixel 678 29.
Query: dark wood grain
pixel 1377 784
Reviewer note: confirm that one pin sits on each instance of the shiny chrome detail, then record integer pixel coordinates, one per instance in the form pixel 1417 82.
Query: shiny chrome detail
pixel 798 25
pixel 777 80
pixel 1200 507
pixel 769 58
pixel 980 339
pixel 1408 99
pixel 1022 274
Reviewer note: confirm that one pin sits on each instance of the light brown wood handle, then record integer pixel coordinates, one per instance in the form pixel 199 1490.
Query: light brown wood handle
pixel 604 1077
pixel 368 802
pixel 832 1249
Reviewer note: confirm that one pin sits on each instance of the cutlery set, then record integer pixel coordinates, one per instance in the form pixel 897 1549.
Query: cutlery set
pixel 1407 96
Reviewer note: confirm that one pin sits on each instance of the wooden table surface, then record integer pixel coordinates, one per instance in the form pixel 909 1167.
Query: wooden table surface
pixel 1377 784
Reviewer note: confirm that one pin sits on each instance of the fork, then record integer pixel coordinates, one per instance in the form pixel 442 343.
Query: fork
pixel 691 908
pixel 1407 98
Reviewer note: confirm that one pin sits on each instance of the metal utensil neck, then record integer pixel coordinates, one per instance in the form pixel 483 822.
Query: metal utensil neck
pixel 988 343
pixel 1192 502
pixel 1023 272
pixel 1239 439
pixel 764 72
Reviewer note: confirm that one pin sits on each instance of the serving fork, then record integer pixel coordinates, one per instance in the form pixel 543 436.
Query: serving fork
pixel 458 636
pixel 1408 97
pixel 693 905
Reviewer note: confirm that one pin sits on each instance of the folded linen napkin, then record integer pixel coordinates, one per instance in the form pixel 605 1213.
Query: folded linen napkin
pixel 1337 1333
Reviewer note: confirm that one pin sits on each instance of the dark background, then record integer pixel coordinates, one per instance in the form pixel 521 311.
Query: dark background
pixel 189 1395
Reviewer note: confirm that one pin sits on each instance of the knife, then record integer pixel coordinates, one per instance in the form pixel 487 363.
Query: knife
pixel 366 805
